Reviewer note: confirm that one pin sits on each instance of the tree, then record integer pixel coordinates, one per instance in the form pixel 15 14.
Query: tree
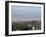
pixel 34 22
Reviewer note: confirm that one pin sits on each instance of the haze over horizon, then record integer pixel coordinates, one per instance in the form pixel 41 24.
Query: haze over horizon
pixel 25 13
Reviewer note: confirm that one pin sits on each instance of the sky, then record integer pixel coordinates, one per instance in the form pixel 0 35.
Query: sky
pixel 25 13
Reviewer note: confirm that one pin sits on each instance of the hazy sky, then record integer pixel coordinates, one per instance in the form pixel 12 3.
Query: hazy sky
pixel 25 13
